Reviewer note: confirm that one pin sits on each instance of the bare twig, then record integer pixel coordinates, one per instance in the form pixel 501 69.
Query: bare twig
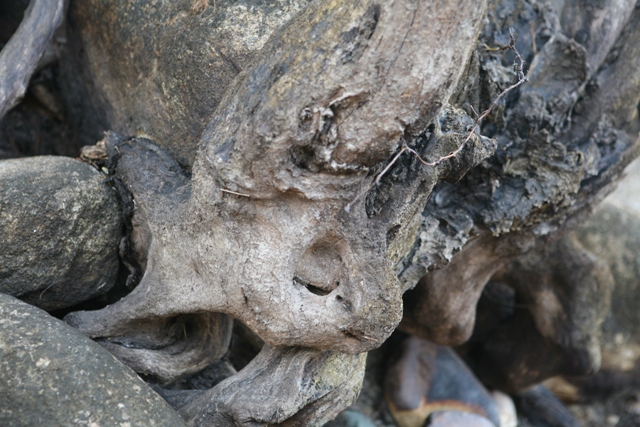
pixel 234 192
pixel 518 67
pixel 20 56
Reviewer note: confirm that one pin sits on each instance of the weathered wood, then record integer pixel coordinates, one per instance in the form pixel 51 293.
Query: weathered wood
pixel 172 348
pixel 309 123
pixel 318 385
pixel 614 92
pixel 596 26
pixel 562 294
pixel 256 230
pixel 162 67
pixel 561 148
pixel 20 56
pixel 260 232
pixel 292 225
pixel 442 307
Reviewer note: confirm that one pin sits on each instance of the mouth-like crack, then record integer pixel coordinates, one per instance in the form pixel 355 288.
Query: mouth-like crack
pixel 358 335
pixel 313 289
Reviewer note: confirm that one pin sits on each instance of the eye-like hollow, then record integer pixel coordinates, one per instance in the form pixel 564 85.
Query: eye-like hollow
pixel 322 267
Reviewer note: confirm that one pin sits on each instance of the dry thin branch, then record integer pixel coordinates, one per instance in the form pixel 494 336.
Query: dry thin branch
pixel 20 56
pixel 222 190
pixel 522 78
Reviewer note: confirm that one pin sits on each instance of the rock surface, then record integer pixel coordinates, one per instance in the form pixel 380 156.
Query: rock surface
pixel 424 378
pixel 60 226
pixel 458 419
pixel 51 374
pixel 351 418
pixel 541 408
pixel 506 409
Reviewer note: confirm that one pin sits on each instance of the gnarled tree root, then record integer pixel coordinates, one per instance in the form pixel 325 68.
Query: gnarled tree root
pixel 285 387
pixel 562 296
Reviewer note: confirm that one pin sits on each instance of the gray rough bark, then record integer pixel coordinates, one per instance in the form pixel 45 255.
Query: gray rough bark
pixel 565 130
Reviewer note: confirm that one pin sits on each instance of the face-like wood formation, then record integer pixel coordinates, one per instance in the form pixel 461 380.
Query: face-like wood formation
pixel 286 223
pixel 261 232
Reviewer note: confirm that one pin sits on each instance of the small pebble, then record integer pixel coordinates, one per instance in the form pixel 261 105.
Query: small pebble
pixel 613 420
pixel 506 409
pixel 457 419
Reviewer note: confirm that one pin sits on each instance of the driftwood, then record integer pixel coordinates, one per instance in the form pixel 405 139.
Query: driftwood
pixel 562 295
pixel 260 201
pixel 339 172
pixel 442 307
pixel 263 219
pixel 317 383
pixel 20 56
pixel 573 147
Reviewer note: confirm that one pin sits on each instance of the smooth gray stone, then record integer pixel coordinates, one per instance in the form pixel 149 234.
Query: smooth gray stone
pixel 541 408
pixel 60 225
pixel 52 375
